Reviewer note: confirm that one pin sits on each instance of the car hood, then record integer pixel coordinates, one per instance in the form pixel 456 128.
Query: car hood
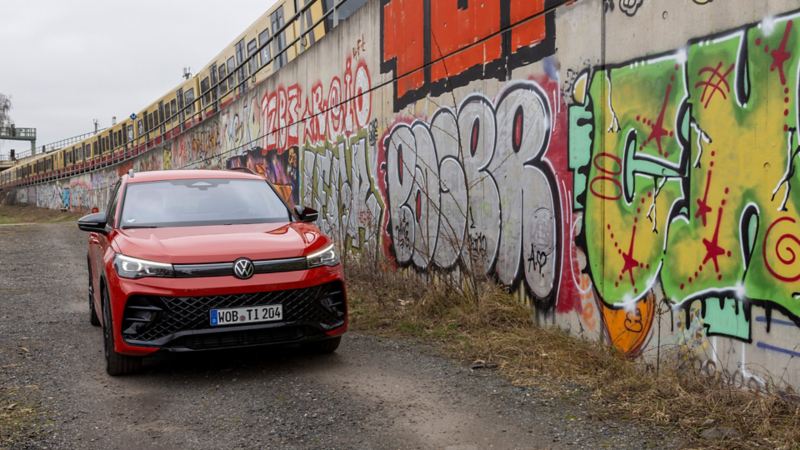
pixel 209 244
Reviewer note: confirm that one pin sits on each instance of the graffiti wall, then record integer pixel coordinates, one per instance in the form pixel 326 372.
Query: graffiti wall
pixel 683 169
pixel 628 167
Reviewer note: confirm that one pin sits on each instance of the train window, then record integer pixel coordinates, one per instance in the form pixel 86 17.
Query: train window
pixel 223 83
pixel 189 97
pixel 252 56
pixel 119 138
pixel 205 87
pixel 231 69
pixel 240 60
pixel 279 41
pixel 168 111
pixel 130 133
pixel 266 54
pixel 308 28
pixel 214 82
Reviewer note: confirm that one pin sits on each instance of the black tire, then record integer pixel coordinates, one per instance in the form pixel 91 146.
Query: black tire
pixel 325 347
pixel 116 364
pixel 93 319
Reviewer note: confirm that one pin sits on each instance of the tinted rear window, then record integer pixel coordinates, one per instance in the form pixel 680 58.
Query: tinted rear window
pixel 201 202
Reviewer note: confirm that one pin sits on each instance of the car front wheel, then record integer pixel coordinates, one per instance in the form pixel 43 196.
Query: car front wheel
pixel 116 364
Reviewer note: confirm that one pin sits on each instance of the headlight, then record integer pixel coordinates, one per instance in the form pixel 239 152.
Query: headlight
pixel 128 267
pixel 324 257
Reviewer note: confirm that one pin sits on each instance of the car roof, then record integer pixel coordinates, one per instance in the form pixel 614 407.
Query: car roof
pixel 167 175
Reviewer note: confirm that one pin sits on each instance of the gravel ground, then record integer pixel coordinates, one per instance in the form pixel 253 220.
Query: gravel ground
pixel 373 393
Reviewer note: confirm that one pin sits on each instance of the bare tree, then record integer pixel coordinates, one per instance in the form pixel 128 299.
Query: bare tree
pixel 5 110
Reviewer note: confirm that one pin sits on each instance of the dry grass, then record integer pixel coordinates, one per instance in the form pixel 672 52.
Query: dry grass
pixel 499 329
pixel 30 214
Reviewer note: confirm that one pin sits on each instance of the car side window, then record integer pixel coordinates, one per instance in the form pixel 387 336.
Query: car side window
pixel 112 205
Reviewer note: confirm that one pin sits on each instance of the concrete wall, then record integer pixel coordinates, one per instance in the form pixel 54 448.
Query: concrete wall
pixel 626 165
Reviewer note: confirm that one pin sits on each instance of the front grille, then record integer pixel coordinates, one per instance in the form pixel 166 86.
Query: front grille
pixel 151 319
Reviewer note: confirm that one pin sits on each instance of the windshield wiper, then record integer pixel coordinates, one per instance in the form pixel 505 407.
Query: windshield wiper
pixel 133 227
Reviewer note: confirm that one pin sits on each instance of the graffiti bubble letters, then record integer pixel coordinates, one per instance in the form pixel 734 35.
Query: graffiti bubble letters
pixel 680 209
pixel 473 188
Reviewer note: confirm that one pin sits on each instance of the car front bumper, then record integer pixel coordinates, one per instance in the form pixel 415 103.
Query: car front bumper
pixel 173 314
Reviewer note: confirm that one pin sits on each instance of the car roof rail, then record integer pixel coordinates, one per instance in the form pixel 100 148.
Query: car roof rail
pixel 242 169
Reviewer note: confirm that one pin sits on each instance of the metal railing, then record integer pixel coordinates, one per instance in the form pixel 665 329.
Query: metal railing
pixel 57 145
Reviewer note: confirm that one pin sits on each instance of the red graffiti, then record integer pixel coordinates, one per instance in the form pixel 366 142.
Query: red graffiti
pixel 343 110
pixel 786 254
pixel 609 176
pixel 465 41
pixel 780 55
pixel 658 132
pixel 716 81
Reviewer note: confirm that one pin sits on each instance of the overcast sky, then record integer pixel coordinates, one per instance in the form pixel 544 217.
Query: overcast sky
pixel 66 62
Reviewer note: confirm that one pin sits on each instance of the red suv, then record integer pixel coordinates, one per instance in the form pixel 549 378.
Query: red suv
pixel 200 260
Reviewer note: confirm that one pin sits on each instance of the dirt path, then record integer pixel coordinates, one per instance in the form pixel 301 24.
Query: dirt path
pixel 374 393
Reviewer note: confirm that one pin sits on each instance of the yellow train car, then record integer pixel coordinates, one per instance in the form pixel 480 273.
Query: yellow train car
pixel 274 39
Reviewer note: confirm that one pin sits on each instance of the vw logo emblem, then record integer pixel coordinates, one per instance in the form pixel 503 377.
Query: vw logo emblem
pixel 243 268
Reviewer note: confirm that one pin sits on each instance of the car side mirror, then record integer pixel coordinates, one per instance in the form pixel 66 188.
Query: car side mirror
pixel 306 214
pixel 95 223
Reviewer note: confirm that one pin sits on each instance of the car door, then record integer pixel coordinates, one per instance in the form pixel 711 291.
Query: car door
pixel 99 243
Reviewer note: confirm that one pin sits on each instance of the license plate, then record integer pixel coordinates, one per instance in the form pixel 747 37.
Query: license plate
pixel 253 314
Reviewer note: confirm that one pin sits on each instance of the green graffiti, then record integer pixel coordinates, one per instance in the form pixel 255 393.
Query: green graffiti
pixel 685 165
pixel 726 317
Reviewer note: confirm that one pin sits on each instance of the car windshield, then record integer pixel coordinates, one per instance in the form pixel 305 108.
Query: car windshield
pixel 201 202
